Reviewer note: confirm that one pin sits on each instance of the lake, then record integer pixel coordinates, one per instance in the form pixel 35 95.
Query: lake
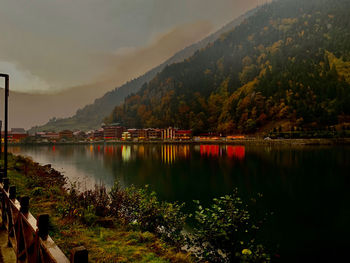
pixel 307 188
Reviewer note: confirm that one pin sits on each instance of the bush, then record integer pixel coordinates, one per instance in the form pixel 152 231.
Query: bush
pixel 37 191
pixel 163 218
pixel 97 199
pixel 225 232
pixel 71 206
pixel 141 208
pixel 89 216
pixel 124 203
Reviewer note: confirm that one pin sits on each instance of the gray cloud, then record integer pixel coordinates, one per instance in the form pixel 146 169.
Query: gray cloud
pixel 58 44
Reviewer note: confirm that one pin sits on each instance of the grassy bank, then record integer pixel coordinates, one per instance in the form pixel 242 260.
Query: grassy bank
pixel 106 242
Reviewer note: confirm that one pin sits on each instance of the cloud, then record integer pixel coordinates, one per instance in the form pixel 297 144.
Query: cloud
pixel 62 43
pixel 130 62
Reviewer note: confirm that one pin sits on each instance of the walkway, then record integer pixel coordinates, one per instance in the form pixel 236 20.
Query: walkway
pixel 7 255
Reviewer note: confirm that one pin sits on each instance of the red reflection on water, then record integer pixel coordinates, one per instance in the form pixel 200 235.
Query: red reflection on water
pixel 209 150
pixel 53 148
pixel 98 148
pixel 236 151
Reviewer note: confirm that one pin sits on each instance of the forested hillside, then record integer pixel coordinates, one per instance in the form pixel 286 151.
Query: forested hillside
pixel 92 115
pixel 288 64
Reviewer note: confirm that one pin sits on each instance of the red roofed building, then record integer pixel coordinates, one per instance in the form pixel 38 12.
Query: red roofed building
pixel 18 134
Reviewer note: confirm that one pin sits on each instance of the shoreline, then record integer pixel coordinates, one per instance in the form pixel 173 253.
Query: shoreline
pixel 252 141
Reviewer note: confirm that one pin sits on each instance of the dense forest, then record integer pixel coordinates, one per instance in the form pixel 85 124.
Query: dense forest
pixel 287 65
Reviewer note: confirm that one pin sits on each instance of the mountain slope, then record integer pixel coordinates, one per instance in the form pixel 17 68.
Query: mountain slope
pixel 92 115
pixel 288 63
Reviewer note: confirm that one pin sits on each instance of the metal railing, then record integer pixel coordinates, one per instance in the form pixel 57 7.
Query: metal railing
pixel 27 236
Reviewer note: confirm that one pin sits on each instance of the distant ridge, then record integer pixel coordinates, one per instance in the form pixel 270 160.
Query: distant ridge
pixel 91 116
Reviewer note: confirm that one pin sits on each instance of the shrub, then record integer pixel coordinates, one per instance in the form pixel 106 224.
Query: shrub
pixel 163 218
pixel 89 216
pixel 37 191
pixel 124 203
pixel 97 198
pixel 225 232
pixel 141 208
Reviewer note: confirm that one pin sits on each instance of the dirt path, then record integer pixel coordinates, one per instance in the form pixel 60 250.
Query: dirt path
pixel 7 255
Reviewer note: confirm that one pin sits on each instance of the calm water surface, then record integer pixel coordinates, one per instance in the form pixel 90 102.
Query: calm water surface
pixel 307 188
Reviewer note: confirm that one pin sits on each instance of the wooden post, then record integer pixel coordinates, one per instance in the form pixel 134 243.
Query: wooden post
pixel 24 205
pixel 79 255
pixel 12 192
pixel 6 184
pixel 1 174
pixel 43 226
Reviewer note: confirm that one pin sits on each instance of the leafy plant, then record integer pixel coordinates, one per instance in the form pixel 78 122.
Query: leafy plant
pixel 141 208
pixel 226 232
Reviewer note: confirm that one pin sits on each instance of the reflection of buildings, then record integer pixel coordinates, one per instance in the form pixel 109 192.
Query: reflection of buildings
pixel 232 151
pixel 126 152
pixel 170 153
pixel 236 151
pixel 210 150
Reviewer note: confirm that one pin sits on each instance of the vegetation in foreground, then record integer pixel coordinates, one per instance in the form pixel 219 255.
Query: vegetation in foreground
pixel 106 240
pixel 132 225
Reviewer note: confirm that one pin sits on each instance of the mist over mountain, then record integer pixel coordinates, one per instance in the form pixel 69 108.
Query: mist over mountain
pixel 91 116
pixel 287 66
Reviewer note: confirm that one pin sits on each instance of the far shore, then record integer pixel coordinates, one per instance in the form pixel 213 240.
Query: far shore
pixel 247 141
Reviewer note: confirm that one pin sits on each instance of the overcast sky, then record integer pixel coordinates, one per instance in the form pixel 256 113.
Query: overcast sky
pixel 50 45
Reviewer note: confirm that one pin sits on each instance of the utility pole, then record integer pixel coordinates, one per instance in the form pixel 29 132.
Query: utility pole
pixel 6 76
pixel 0 139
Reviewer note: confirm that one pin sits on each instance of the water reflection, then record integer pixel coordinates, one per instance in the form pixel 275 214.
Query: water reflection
pixel 237 152
pixel 305 187
pixel 170 153
pixel 126 152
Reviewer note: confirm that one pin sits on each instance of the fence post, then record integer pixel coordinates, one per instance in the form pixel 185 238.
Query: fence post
pixel 24 205
pixel 43 226
pixel 12 197
pixel 79 255
pixel 1 173
pixel 12 192
pixel 6 184
pixel 3 213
